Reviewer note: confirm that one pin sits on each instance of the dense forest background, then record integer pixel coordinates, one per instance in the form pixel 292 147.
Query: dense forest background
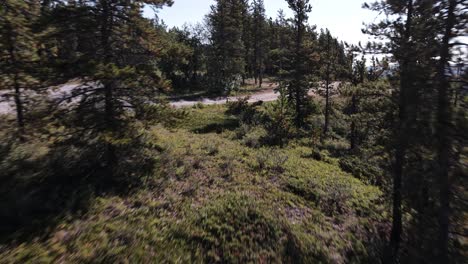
pixel 361 159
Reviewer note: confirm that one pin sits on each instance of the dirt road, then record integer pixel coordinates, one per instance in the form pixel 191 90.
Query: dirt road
pixel 267 95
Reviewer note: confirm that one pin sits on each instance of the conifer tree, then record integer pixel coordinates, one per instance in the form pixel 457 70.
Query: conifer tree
pixel 259 36
pixel 404 31
pixel 280 54
pixel 415 44
pixel 298 84
pixel 18 55
pixel 453 23
pixel 328 58
pixel 227 57
pixel 116 67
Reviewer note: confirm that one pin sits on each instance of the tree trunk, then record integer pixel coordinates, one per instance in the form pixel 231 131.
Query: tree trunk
pixel 16 84
pixel 109 111
pixel 401 145
pixel 260 76
pixel 353 137
pixel 19 108
pixel 298 73
pixel 327 90
pixel 327 105
pixel 354 104
pixel 444 120
pixel 107 58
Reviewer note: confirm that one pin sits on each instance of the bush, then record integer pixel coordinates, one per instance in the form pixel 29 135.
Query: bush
pixel 227 166
pixel 237 107
pixel 198 105
pixel 211 148
pixel 247 113
pixel 336 147
pixel 255 137
pixel 279 121
pixel 360 169
pixel 270 160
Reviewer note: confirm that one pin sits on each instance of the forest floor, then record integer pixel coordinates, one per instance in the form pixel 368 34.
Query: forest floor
pixel 216 197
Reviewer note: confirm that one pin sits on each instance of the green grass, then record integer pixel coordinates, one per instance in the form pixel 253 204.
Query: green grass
pixel 214 200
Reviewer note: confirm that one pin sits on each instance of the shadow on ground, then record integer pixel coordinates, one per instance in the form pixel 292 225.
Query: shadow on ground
pixel 218 127
pixel 37 193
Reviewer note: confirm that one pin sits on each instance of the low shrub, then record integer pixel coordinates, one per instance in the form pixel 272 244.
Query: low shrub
pixel 270 160
pixel 255 137
pixel 278 121
pixel 336 147
pixel 360 169
pixel 211 148
pixel 236 107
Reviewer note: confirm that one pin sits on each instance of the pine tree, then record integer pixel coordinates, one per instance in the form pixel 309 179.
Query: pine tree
pixel 328 59
pixel 401 54
pixel 260 37
pixel 357 77
pixel 116 65
pixel 247 40
pixel 444 127
pixel 227 57
pixel 414 43
pixel 369 102
pixel 18 55
pixel 280 54
pixel 299 85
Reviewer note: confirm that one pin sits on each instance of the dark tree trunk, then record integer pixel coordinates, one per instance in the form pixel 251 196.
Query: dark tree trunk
pixel 353 136
pixel 19 108
pixel 260 76
pixel 444 119
pixel 17 89
pixel 109 107
pixel 327 91
pixel 327 106
pixel 298 107
pixel 298 73
pixel 354 110
pixel 107 58
pixel 401 144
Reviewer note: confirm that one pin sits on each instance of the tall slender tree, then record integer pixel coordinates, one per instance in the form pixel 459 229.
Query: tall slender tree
pixel 299 86
pixel 259 40
pixel 227 58
pixel 401 52
pixel 329 51
pixel 444 127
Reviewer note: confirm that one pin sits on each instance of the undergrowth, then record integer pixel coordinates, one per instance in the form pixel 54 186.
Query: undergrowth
pixel 214 198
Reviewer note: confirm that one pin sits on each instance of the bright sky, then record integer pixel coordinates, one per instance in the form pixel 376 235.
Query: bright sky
pixel 343 18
